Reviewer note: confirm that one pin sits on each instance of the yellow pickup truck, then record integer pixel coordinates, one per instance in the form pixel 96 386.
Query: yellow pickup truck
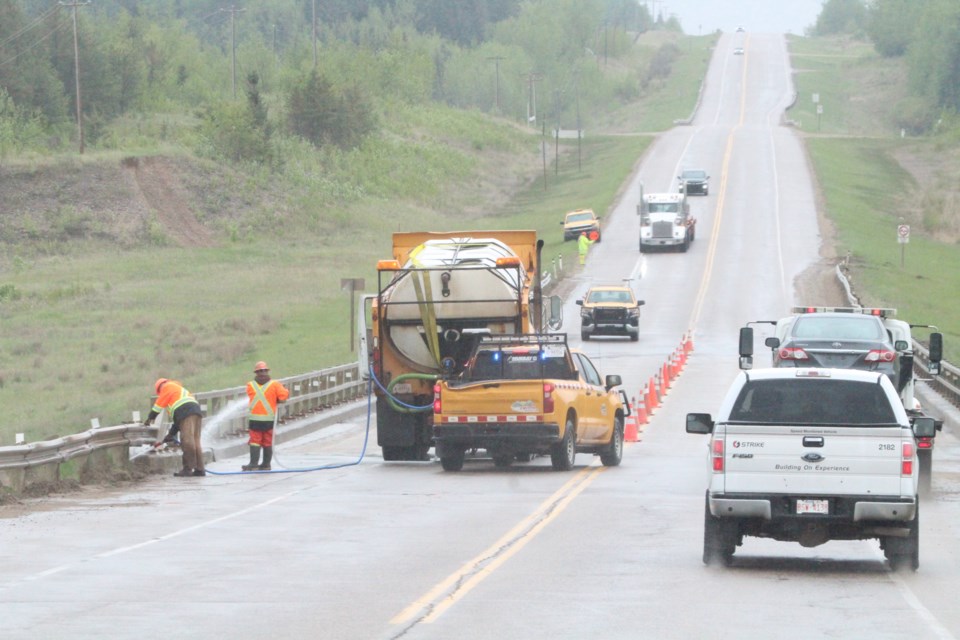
pixel 524 395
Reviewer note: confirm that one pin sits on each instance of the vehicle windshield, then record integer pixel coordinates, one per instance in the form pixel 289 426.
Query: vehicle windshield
pixel 663 207
pixel 579 217
pixel 609 296
pixel 694 175
pixel 833 328
pixel 812 401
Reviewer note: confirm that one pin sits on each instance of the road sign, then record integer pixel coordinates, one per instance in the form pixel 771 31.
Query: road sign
pixel 903 233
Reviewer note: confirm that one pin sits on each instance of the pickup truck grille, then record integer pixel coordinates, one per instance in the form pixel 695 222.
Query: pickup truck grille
pixel 609 316
pixel 662 229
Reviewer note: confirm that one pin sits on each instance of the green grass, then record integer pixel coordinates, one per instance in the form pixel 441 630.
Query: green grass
pixel 855 86
pixel 857 177
pixel 89 326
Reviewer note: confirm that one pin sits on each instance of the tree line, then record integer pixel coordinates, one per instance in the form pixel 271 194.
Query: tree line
pixel 925 34
pixel 325 71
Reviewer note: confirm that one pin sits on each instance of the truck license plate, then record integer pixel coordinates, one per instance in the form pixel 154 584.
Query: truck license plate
pixel 813 506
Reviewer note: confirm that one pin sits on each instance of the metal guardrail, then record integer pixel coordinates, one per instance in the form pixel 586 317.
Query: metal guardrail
pixel 224 416
pixel 947 384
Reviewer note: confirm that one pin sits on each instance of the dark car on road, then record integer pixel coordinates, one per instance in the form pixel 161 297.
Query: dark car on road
pixel 836 340
pixel 694 181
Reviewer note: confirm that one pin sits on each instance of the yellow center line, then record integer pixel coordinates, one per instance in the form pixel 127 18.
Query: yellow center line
pixel 721 199
pixel 442 596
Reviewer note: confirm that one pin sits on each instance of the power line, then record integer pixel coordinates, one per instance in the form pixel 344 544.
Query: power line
pixel 61 25
pixel 30 25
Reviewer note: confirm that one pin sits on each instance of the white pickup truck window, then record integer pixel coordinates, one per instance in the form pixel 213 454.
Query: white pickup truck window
pixel 805 401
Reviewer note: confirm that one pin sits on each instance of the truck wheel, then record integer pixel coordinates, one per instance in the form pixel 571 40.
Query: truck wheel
pixel 563 453
pixel 502 460
pixel 392 453
pixel 452 458
pixel 719 538
pixel 686 244
pixel 584 336
pixel 614 453
pixel 904 553
pixel 643 248
pixel 524 456
pixel 634 337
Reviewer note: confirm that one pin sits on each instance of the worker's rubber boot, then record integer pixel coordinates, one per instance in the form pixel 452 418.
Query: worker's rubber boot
pixel 254 459
pixel 267 456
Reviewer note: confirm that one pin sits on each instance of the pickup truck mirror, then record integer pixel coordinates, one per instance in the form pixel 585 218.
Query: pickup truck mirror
pixel 640 303
pixel 555 320
pixel 613 380
pixel 773 342
pixel 901 345
pixel 936 347
pixel 699 423
pixel 579 303
pixel 746 347
pixel 924 427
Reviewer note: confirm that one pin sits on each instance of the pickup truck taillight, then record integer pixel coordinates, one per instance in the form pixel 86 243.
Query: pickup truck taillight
pixel 906 465
pixel 547 397
pixel 924 442
pixel 436 398
pixel 793 353
pixel 879 355
pixel 716 450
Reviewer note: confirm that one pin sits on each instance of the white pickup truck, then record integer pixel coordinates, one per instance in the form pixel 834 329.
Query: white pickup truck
pixel 811 455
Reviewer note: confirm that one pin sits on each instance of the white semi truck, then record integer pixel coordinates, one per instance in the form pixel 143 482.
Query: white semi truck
pixel 665 221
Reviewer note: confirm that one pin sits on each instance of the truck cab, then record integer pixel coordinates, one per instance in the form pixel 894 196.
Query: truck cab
pixel 665 221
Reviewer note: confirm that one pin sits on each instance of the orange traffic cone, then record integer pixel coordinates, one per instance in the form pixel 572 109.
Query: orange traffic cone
pixel 641 413
pixel 652 400
pixel 630 431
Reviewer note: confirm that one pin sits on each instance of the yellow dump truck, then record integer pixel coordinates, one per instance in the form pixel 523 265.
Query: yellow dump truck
pixel 437 295
pixel 521 396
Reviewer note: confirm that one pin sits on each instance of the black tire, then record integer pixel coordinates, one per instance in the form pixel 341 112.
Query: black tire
pixel 719 538
pixel 903 554
pixel 643 248
pixel 523 456
pixel 452 458
pixel 563 453
pixel 584 336
pixel 686 244
pixel 502 460
pixel 634 337
pixel 393 453
pixel 614 453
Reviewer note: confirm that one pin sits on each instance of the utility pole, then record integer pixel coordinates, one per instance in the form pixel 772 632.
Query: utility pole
pixel 76 68
pixel 314 34
pixel 532 78
pixel 497 60
pixel 233 43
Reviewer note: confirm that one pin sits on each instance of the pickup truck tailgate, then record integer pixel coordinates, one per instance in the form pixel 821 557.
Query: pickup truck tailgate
pixel 494 401
pixel 812 460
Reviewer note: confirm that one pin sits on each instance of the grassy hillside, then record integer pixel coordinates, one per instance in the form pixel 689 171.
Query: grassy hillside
pixel 122 266
pixel 872 178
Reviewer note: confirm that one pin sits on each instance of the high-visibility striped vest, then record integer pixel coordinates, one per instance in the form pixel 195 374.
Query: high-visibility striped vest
pixel 259 401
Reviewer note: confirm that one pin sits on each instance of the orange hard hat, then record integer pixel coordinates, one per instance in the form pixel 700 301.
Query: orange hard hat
pixel 261 366
pixel 159 383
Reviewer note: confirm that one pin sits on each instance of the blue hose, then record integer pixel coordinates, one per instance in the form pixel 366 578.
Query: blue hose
pixel 366 438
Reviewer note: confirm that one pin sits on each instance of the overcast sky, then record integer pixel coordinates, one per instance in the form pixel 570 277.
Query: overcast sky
pixel 760 16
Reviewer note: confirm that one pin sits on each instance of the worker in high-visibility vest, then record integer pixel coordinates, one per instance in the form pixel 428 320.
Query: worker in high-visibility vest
pixel 583 246
pixel 187 417
pixel 264 394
